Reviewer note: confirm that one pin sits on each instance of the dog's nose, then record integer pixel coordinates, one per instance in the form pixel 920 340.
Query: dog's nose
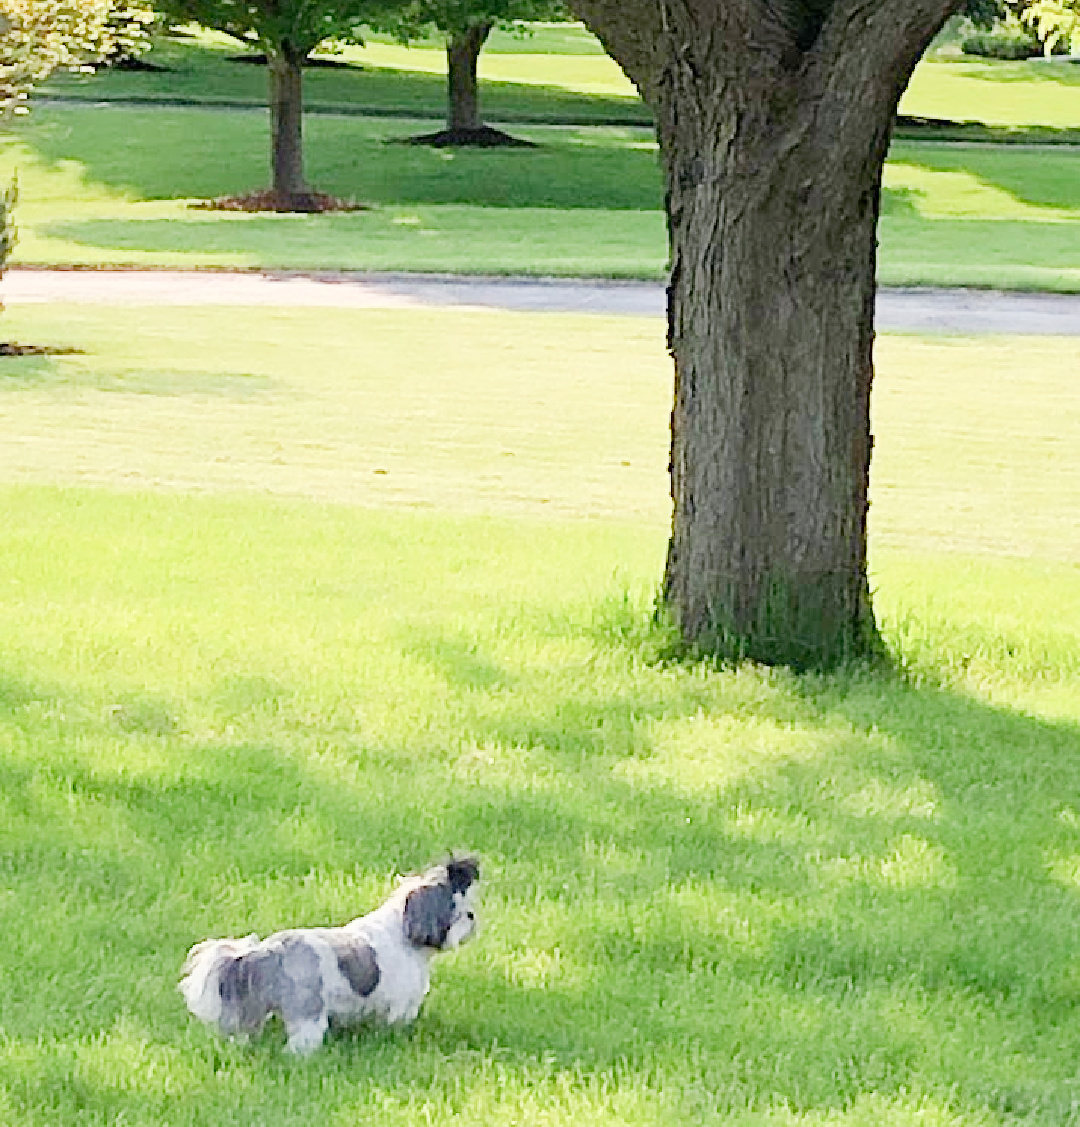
pixel 470 915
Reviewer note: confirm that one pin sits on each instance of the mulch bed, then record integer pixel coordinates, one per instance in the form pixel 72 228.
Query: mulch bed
pixel 11 348
pixel 136 64
pixel 308 203
pixel 483 138
pixel 313 63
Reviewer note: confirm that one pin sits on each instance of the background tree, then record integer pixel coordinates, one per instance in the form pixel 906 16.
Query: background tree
pixel 288 31
pixel 985 13
pixel 774 119
pixel 466 25
pixel 1055 22
pixel 40 36
pixel 128 29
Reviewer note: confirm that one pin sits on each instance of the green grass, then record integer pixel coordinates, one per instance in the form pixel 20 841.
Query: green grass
pixel 559 74
pixel 98 187
pixel 1014 94
pixel 488 412
pixel 246 675
pixel 382 79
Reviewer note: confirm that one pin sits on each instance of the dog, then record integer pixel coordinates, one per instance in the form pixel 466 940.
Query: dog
pixel 374 967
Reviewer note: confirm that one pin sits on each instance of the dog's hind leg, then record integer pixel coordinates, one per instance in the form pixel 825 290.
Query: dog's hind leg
pixel 302 1006
pixel 306 1035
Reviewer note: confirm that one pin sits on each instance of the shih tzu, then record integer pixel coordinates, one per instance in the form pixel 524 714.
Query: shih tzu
pixel 375 967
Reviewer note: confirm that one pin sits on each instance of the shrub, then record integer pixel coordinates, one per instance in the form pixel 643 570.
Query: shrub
pixel 1008 39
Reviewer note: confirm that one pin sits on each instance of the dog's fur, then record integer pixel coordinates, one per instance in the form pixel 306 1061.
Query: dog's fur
pixel 375 967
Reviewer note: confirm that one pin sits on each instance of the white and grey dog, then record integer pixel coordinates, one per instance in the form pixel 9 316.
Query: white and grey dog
pixel 375 967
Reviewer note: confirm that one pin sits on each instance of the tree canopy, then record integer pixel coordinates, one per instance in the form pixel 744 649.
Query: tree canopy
pixel 295 26
pixel 1054 21
pixel 456 17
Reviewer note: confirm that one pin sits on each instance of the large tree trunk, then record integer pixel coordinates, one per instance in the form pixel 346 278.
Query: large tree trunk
pixel 463 91
pixel 286 75
pixel 774 119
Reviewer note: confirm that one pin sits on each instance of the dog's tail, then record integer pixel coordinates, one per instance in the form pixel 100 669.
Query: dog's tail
pixel 208 965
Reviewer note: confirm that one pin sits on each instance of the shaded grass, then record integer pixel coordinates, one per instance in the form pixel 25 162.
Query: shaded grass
pixel 726 897
pixel 100 187
pixel 731 897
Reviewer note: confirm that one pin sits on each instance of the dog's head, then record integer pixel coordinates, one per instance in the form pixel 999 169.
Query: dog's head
pixel 438 910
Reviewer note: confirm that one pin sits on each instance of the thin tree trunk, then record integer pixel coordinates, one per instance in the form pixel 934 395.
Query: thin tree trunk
pixel 774 121
pixel 286 126
pixel 463 93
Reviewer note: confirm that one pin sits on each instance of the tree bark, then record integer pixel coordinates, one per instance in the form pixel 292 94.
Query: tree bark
pixel 286 76
pixel 463 91
pixel 774 119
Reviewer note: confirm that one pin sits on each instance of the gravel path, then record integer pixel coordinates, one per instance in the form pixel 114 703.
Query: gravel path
pixel 916 310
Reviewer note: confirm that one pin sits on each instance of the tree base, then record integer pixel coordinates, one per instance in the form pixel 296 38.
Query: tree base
pixel 307 203
pixel 482 138
pixel 814 624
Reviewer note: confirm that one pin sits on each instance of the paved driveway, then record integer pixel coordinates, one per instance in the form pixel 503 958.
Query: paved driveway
pixel 917 310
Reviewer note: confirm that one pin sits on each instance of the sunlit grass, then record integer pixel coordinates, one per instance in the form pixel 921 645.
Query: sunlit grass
pixel 292 599
pixel 996 92
pixel 100 187
pixel 727 897
pixel 489 412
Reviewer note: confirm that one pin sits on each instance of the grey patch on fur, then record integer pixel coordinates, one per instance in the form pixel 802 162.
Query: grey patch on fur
pixel 283 979
pixel 357 962
pixel 247 986
pixel 301 997
pixel 429 915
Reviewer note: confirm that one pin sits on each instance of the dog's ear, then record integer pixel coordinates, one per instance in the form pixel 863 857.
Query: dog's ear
pixel 462 872
pixel 429 915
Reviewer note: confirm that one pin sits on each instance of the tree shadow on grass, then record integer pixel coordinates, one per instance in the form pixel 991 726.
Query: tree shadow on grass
pixel 168 154
pixel 1036 70
pixel 1047 178
pixel 758 890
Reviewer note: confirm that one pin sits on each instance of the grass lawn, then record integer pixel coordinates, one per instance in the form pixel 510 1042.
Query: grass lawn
pixel 100 186
pixel 468 412
pixel 292 599
pixel 385 78
pixel 559 74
